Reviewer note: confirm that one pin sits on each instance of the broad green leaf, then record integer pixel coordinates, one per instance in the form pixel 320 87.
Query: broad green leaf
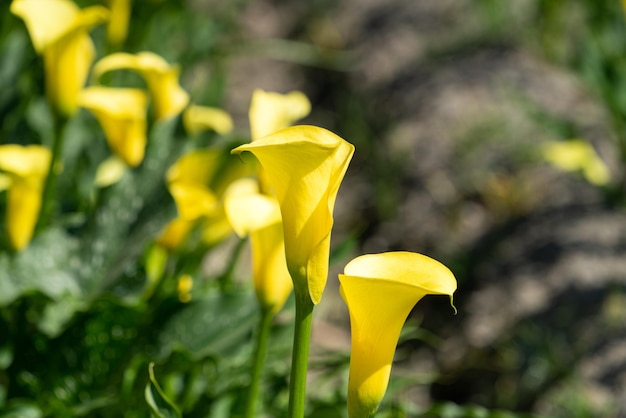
pixel 216 325
pixel 48 267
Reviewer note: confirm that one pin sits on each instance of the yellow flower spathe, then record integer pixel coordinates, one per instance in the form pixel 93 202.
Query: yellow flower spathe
pixel 197 119
pixel 117 29
pixel 197 181
pixel 577 155
pixel 380 290
pixel 305 166
pixel 270 112
pixel 122 116
pixel 252 213
pixel 168 97
pixel 59 31
pixel 26 168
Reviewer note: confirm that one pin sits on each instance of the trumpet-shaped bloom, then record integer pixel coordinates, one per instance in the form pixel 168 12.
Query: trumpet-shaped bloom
pixel 380 290
pixel 258 215
pixel 169 98
pixel 122 115
pixel 117 29
pixel 197 119
pixel 305 166
pixel 59 31
pixel 577 155
pixel 270 112
pixel 27 168
pixel 197 181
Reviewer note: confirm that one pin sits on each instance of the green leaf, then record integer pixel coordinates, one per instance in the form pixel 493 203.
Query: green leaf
pixel 160 405
pixel 21 410
pixel 219 324
pixel 45 267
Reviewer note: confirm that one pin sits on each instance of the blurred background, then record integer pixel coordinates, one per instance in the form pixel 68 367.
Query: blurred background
pixel 455 108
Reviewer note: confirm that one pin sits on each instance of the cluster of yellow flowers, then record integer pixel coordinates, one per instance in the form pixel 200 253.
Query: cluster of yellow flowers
pixel 286 210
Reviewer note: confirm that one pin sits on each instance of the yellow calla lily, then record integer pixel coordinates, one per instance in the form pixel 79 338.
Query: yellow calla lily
pixel 197 182
pixel 59 31
pixel 197 119
pixel 258 215
pixel 305 166
pixel 270 112
pixel 117 29
pixel 577 155
pixel 122 115
pixel 168 97
pixel 27 168
pixel 380 290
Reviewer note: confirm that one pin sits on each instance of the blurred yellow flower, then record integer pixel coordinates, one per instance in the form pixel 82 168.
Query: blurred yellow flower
pixel 380 290
pixel 252 213
pixel 197 119
pixel 26 168
pixel 197 182
pixel 577 155
pixel 110 171
pixel 184 286
pixel 122 115
pixel 59 31
pixel 117 29
pixel 305 166
pixel 168 97
pixel 270 112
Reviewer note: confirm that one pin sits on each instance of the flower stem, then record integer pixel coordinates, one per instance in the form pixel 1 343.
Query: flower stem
pixel 49 189
pixel 300 356
pixel 260 352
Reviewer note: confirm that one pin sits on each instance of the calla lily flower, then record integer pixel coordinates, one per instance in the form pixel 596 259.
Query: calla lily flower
pixel 252 213
pixel 380 290
pixel 577 155
pixel 305 166
pixel 26 169
pixel 197 182
pixel 122 115
pixel 168 96
pixel 197 119
pixel 117 29
pixel 59 31
pixel 270 112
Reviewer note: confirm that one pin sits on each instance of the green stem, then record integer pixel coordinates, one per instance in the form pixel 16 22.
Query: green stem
pixel 49 189
pixel 226 279
pixel 260 352
pixel 300 356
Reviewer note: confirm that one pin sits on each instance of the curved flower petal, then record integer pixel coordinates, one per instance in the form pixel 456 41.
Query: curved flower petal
pixel 577 155
pixel 58 29
pixel 110 171
pixel 270 112
pixel 380 290
pixel 67 64
pixel 247 209
pixel 117 28
pixel 197 119
pixel 122 115
pixel 175 233
pixel 250 212
pixel 27 167
pixel 193 201
pixel 168 96
pixel 196 167
pixel 305 166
